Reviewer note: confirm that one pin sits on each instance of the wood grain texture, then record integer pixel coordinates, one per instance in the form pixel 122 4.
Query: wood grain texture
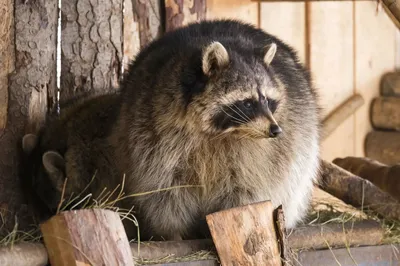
pixel 86 237
pixel 179 13
pixel 340 114
pixel 385 113
pixel 131 42
pixel 31 86
pixel 390 84
pixel 375 39
pixel 287 22
pixel 91 46
pixel 331 63
pixel 245 235
pixel 148 16
pixel 243 10
pixel 357 191
pixel 381 175
pixel 6 56
pixel 383 146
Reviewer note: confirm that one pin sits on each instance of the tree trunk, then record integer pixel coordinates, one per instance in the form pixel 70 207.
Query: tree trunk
pixel 390 84
pixel 383 146
pixel 179 13
pixel 148 15
pixel 385 113
pixel 91 46
pixel 31 88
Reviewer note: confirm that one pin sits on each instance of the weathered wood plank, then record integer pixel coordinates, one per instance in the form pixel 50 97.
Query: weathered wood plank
pixel 245 235
pixel 131 42
pixel 86 237
pixel 243 10
pixel 31 86
pixel 91 46
pixel 179 13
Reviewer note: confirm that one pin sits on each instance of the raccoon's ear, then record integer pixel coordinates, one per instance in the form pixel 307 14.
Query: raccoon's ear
pixel 214 58
pixel 29 142
pixel 270 54
pixel 53 163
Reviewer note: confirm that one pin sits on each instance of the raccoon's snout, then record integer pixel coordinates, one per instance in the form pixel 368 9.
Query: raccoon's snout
pixel 274 130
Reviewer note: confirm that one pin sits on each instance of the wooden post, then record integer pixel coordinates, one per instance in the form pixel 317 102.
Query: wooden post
pixel 383 176
pixel 357 191
pixel 86 237
pixel 385 113
pixel 390 84
pixel 340 114
pixel 32 35
pixel 179 13
pixel 91 46
pixel 383 146
pixel 246 235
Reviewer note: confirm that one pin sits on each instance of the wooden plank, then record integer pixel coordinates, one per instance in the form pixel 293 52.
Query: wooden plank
pixel 287 22
pixel 91 46
pixel 131 42
pixel 245 235
pixel 331 63
pixel 86 237
pixel 375 49
pixel 31 84
pixel 6 56
pixel 358 256
pixel 244 10
pixel 179 13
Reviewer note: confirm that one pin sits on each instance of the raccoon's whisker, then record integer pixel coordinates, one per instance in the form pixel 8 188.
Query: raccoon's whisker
pixel 245 116
pixel 241 122
pixel 241 116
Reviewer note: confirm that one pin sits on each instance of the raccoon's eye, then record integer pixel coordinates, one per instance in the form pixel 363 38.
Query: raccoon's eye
pixel 248 104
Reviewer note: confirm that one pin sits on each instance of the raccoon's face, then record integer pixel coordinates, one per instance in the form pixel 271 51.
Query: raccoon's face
pixel 241 98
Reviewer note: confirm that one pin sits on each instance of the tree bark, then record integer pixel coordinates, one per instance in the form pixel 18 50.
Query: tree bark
pixel 148 15
pixel 383 146
pixel 381 175
pixel 357 191
pixel 31 89
pixel 86 237
pixel 91 46
pixel 385 113
pixel 245 235
pixel 390 84
pixel 179 13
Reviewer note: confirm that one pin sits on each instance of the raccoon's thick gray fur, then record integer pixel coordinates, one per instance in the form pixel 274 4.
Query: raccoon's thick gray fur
pixel 218 104
pixel 205 105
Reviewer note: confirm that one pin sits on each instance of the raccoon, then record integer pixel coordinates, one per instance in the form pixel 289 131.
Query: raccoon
pixel 72 145
pixel 223 105
pixel 211 116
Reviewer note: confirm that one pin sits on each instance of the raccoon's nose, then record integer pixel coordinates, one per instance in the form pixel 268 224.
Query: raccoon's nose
pixel 274 130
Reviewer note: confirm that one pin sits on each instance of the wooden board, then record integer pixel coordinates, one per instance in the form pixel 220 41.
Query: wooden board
pixel 131 42
pixel 244 10
pixel 287 22
pixel 331 62
pixel 375 39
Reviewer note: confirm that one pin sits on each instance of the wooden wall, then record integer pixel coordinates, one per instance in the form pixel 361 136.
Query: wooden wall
pixel 348 46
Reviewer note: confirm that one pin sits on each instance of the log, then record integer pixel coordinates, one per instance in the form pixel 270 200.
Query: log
pixel 385 113
pixel 392 8
pixel 357 191
pixel 179 13
pixel 6 56
pixel 148 16
pixel 91 47
pixel 390 84
pixel 381 175
pixel 340 114
pixel 24 254
pixel 245 235
pixel 383 146
pixel 31 88
pixel 86 237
